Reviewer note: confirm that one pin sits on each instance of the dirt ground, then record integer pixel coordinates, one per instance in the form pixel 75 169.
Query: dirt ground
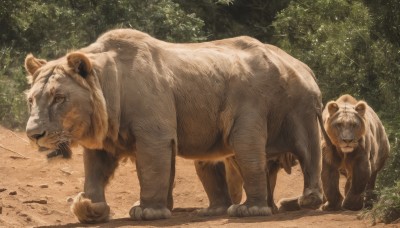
pixel 34 192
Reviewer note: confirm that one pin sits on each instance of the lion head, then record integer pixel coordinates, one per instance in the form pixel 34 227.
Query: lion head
pixel 66 104
pixel 346 123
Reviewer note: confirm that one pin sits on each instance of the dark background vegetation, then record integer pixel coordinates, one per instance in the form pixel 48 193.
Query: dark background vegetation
pixel 353 46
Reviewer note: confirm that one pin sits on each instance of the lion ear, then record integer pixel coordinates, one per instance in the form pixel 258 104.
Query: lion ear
pixel 80 63
pixel 32 64
pixel 361 107
pixel 332 108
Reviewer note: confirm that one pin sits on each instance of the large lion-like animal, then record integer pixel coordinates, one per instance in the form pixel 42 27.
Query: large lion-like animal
pixel 131 95
pixel 360 149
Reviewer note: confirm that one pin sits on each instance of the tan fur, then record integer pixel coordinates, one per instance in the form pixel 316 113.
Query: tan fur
pixel 32 64
pixel 360 148
pixel 79 62
pixel 129 94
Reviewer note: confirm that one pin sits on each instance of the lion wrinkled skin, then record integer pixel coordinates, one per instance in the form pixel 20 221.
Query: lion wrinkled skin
pixel 360 149
pixel 227 104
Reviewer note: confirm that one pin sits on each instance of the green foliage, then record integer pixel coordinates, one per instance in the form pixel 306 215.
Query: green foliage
pixel 391 171
pixel 53 26
pixel 12 83
pixel 387 209
pixel 332 37
pixel 228 18
pixel 387 19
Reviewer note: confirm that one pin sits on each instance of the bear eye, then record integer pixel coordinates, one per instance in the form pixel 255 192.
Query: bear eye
pixel 59 99
pixel 339 125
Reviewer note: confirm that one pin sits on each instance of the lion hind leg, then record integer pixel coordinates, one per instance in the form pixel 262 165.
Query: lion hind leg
pixel 307 150
pixel 213 178
pixel 88 212
pixel 243 210
pixel 249 142
pixel 154 168
pixel 272 170
pixel 234 180
pixel 138 213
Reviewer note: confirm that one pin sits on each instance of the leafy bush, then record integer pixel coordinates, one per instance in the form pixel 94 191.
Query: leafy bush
pixel 13 108
pixel 391 171
pixel 333 38
pixel 387 209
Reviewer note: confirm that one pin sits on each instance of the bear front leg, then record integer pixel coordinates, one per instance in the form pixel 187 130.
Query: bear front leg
pixel 90 206
pixel 361 174
pixel 330 182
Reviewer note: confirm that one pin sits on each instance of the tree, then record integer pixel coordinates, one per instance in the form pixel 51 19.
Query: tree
pixel 228 18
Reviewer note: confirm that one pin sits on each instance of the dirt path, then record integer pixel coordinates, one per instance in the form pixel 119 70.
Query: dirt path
pixel 34 192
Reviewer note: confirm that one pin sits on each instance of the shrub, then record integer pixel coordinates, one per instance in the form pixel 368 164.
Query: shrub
pixel 387 208
pixel 13 108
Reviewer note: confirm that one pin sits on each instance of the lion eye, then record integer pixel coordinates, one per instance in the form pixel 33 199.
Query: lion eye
pixel 30 100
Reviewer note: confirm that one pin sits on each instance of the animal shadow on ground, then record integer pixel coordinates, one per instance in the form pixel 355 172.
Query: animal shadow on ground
pixel 182 216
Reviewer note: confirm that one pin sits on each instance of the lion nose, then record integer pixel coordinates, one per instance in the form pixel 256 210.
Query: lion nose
pixel 35 134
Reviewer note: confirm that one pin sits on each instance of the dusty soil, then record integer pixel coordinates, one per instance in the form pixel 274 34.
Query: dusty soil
pixel 34 192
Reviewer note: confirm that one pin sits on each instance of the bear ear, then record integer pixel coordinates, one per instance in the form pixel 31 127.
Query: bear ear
pixel 361 107
pixel 332 107
pixel 80 63
pixel 32 64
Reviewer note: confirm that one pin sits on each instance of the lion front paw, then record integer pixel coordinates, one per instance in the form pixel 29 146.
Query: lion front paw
pixel 212 211
pixel 244 210
pixel 88 212
pixel 139 213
